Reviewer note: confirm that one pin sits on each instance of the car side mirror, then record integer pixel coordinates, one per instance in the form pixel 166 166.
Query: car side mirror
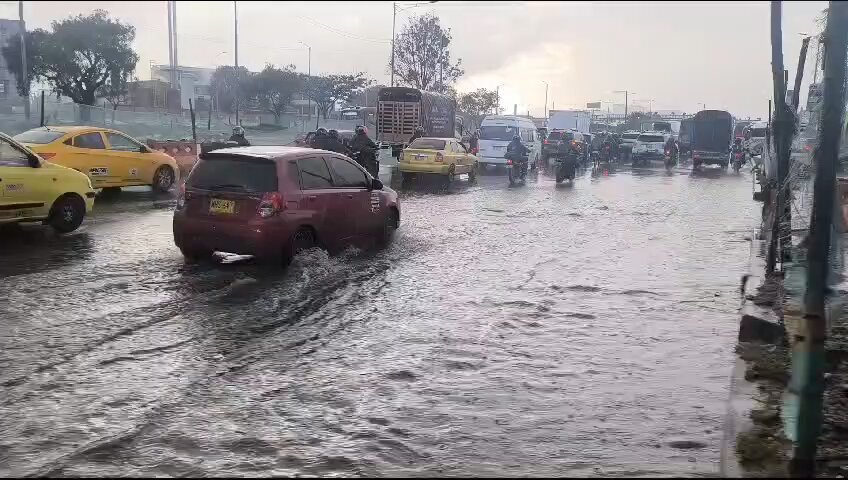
pixel 34 162
pixel 376 184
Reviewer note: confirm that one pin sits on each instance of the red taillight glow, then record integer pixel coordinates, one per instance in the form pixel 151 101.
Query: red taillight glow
pixel 808 148
pixel 46 156
pixel 271 204
pixel 547 142
pixel 439 157
pixel 509 162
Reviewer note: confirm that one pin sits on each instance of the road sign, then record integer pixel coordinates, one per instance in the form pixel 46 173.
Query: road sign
pixel 592 105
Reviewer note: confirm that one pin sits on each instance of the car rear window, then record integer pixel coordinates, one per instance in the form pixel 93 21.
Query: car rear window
pixel 651 139
pixel 630 136
pixel 758 132
pixel 38 136
pixel 234 174
pixel 555 136
pixel 428 144
pixel 497 132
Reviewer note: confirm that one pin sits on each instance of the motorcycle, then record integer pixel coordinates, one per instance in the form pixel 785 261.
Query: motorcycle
pixel 566 167
pixel 668 159
pixel 516 167
pixel 738 160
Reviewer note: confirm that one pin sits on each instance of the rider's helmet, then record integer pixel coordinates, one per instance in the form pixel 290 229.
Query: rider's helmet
pixel 239 131
pixel 737 140
pixel 419 129
pixel 333 133
pixel 321 131
pixel 361 130
pixel 516 138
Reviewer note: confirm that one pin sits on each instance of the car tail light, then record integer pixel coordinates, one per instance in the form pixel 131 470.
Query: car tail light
pixel 547 142
pixel 46 156
pixel 271 204
pixel 439 157
pixel 807 148
pixel 400 156
pixel 509 162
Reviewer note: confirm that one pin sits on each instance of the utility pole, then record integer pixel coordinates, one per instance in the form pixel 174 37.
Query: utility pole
pixel 799 73
pixel 546 99
pixel 309 78
pixel 394 19
pixel 176 59
pixel 783 129
pixel 24 73
pixel 626 95
pixel 235 25
pixel 809 351
pixel 170 47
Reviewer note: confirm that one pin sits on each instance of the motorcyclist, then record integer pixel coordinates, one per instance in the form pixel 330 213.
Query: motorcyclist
pixel 671 146
pixel 319 140
pixel 516 150
pixel 474 142
pixel 238 137
pixel 737 145
pixel 419 132
pixel 335 144
pixel 367 150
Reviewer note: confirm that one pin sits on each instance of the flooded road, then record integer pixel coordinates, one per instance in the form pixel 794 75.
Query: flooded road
pixel 539 330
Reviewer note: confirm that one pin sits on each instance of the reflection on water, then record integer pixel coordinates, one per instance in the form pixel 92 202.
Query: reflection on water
pixel 541 330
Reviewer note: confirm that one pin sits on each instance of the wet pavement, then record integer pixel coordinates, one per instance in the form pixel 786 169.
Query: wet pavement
pixel 581 329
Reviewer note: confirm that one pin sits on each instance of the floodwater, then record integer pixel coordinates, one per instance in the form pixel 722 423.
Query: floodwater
pixel 581 329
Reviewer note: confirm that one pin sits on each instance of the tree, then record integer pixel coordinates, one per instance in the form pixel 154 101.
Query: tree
pixel 325 91
pixel 83 53
pixel 12 55
pixel 226 88
pixel 422 59
pixel 115 89
pixel 275 87
pixel 476 105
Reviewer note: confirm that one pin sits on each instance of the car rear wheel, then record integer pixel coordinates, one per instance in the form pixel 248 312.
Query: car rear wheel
pixel 67 213
pixel 390 225
pixel 303 239
pixel 472 175
pixel 163 179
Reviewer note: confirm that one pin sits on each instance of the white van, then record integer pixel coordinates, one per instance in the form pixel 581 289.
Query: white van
pixel 496 131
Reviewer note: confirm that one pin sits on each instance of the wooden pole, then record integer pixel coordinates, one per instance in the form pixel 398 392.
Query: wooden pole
pixel 42 108
pixel 209 120
pixel 191 113
pixel 799 73
pixel 783 126
pixel 809 356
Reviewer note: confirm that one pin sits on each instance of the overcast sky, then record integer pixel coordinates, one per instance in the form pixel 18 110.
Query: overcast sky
pixel 678 54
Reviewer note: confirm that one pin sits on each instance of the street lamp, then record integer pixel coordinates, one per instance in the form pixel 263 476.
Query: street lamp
pixel 626 93
pixel 545 113
pixel 395 9
pixel 498 97
pixel 308 75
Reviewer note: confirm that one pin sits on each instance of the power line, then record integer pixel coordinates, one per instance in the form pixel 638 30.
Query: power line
pixel 344 33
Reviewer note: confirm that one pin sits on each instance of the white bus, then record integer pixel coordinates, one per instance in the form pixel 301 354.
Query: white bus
pixel 496 131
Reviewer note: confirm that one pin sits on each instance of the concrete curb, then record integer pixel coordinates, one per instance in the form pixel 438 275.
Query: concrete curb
pixel 758 324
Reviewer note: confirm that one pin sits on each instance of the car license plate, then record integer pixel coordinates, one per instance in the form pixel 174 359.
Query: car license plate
pixel 498 147
pixel 217 205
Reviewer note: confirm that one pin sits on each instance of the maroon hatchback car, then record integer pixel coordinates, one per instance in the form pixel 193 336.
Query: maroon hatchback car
pixel 273 202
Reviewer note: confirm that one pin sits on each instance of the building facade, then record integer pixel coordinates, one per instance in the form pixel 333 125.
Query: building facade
pixel 8 85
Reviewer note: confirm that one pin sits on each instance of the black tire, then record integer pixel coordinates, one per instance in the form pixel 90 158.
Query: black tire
pixel 450 178
pixel 303 239
pixel 406 178
pixel 511 177
pixel 110 192
pixel 390 225
pixel 67 213
pixel 472 175
pixel 163 179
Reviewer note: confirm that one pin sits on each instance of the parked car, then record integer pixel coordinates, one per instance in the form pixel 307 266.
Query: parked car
pixel 649 146
pixel 111 159
pixel 437 156
pixel 33 190
pixel 273 202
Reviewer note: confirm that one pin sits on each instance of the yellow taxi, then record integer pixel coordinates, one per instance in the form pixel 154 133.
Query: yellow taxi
pixel 111 159
pixel 32 190
pixel 437 156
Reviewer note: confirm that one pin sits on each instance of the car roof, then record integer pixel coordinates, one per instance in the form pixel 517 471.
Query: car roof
pixel 436 138
pixel 76 129
pixel 276 152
